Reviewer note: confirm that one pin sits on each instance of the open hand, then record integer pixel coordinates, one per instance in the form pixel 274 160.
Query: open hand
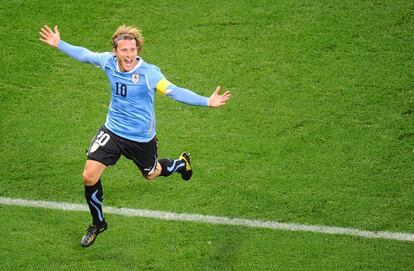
pixel 216 100
pixel 50 37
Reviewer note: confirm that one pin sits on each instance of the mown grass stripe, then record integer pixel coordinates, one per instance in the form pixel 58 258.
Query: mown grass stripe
pixel 402 236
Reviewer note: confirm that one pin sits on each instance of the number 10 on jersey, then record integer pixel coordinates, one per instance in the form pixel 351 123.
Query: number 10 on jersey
pixel 120 89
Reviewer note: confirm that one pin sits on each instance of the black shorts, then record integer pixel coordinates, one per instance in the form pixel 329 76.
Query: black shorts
pixel 107 147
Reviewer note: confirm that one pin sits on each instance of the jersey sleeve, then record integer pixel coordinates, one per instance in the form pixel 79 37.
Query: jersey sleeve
pixel 84 55
pixel 159 83
pixel 181 94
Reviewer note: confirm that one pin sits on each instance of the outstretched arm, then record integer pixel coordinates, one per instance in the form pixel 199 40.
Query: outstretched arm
pixel 189 97
pixel 79 53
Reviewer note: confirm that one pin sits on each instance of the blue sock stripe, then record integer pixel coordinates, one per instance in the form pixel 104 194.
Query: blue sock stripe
pixel 99 212
pixel 171 168
pixel 176 165
pixel 95 198
pixel 98 202
pixel 179 166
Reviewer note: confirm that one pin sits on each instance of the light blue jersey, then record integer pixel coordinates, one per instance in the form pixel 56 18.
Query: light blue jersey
pixel 131 112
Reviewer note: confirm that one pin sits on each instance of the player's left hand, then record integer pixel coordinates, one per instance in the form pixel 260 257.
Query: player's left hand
pixel 216 100
pixel 50 37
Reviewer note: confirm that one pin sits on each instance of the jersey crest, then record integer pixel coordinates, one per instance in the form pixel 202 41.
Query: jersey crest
pixel 135 78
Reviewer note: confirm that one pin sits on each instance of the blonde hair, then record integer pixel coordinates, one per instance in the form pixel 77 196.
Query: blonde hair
pixel 125 32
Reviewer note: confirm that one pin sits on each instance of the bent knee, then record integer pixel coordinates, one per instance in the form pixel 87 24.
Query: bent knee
pixel 151 176
pixel 89 178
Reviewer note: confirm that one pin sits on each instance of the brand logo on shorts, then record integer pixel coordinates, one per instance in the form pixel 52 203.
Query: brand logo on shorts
pixel 135 78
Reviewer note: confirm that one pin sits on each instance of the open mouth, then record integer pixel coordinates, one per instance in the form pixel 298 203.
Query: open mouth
pixel 127 64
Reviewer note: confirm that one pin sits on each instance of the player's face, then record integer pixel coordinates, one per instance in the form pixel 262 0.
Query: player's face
pixel 126 53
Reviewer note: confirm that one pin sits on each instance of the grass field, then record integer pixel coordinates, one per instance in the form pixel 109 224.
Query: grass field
pixel 319 130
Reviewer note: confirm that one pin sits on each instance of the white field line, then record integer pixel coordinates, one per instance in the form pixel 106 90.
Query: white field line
pixel 402 236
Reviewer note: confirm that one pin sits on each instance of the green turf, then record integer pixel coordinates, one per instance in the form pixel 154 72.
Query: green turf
pixel 146 244
pixel 319 130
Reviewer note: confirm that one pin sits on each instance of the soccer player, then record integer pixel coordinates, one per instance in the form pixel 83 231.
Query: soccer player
pixel 129 129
